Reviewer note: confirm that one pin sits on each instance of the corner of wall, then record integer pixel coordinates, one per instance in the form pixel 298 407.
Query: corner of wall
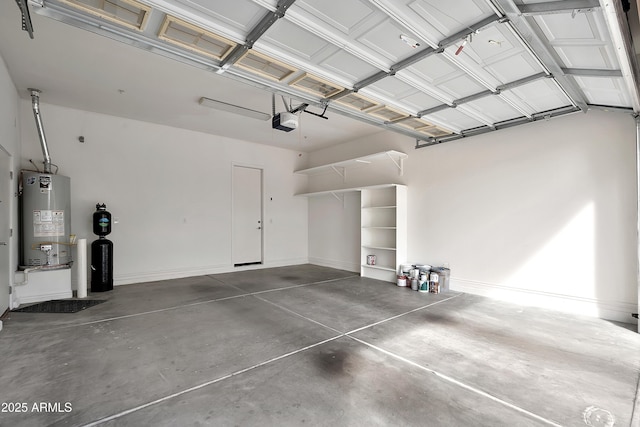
pixel 11 144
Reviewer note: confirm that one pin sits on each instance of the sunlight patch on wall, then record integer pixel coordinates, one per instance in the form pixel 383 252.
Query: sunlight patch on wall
pixel 566 264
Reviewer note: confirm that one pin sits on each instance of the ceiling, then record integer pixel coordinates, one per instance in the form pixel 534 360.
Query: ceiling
pixel 434 70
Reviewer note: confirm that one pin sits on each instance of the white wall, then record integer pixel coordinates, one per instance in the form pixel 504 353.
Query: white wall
pixel 10 143
pixel 334 237
pixel 170 190
pixel 543 214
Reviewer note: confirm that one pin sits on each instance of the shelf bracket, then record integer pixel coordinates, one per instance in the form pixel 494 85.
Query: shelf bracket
pixel 399 164
pixel 338 198
pixel 342 173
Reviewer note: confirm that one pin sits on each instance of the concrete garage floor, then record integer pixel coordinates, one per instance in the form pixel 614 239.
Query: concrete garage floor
pixel 308 345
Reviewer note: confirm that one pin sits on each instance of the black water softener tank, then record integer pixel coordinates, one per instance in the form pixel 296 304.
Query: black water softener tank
pixel 101 251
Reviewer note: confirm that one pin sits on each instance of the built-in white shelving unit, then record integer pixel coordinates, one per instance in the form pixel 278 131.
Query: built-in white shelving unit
pixel 383 214
pixel 383 218
pixel 341 167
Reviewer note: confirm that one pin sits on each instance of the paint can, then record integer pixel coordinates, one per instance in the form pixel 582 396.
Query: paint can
pixel 371 260
pixel 444 275
pixel 414 284
pixel 423 282
pixel 424 287
pixel 434 282
pixel 405 269
pixel 402 280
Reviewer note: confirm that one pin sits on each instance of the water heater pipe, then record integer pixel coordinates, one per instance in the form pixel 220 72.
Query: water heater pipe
pixel 35 104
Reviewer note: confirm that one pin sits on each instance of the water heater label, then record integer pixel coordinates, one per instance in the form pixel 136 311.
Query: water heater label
pixel 45 183
pixel 48 223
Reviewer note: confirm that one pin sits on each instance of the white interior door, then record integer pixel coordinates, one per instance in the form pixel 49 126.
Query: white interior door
pixel 5 210
pixel 247 215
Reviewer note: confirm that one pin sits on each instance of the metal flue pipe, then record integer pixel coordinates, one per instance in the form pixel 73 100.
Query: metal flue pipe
pixel 35 104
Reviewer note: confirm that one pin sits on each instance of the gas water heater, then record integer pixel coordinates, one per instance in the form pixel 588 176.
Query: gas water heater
pixel 46 220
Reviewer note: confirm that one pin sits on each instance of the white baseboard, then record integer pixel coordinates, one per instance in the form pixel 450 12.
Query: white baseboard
pixel 154 276
pixel 339 264
pixel 610 310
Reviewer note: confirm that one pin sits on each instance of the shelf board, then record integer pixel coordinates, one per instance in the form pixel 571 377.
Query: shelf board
pixel 382 248
pixel 379 267
pixel 379 207
pixel 395 156
pixel 345 190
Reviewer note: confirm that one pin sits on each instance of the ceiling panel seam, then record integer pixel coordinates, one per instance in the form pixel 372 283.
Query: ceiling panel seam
pixel 427 88
pixel 515 106
pixel 474 114
pixel 451 57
